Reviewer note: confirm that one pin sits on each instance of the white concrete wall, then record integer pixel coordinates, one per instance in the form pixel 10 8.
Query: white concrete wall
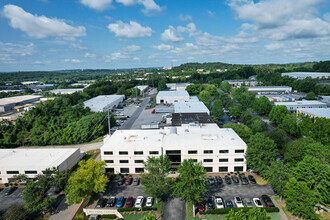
pixel 171 99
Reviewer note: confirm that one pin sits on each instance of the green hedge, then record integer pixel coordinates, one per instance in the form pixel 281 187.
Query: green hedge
pixel 109 216
pixel 245 209
pixel 128 209
pixel 147 209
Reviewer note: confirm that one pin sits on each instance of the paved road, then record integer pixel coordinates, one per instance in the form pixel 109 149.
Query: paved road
pixel 83 147
pixel 174 209
pixel 128 124
pixel 64 211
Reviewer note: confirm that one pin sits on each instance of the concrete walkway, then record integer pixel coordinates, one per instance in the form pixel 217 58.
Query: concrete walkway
pixel 64 211
pixel 174 209
pixel 282 214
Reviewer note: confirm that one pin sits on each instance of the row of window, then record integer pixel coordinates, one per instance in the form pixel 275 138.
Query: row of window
pixel 205 160
pixel 207 169
pixel 189 152
pixel 26 172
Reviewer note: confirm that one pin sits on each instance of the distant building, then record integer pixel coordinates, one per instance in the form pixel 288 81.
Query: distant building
pixel 303 75
pixel 32 162
pixel 167 68
pixel 270 89
pixel 66 91
pixel 177 86
pixel 190 107
pixel 142 89
pixel 7 104
pixel 104 103
pixel 219 149
pixel 29 82
pixel 315 112
pixel 293 106
pixel 170 97
pixel 240 82
pixel 325 99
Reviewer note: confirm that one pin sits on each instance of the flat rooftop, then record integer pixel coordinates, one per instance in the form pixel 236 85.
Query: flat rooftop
pixel 185 118
pixel 320 112
pixel 173 93
pixel 303 102
pixel 270 87
pixel 34 158
pixel 18 99
pixel 190 107
pixel 102 100
pixel 66 90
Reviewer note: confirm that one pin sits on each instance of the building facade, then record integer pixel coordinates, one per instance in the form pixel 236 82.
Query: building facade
pixel 303 75
pixel 293 106
pixel 104 103
pixel 170 97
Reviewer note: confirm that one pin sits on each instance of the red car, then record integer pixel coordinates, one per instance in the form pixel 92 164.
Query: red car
pixel 201 206
pixel 128 181
pixel 129 202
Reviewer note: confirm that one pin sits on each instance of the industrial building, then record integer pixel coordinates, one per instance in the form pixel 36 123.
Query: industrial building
pixel 66 91
pixel 178 119
pixel 315 112
pixel 177 86
pixel 219 149
pixel 293 106
pixel 303 75
pixel 270 89
pixel 190 107
pixel 7 104
pixel 142 89
pixel 240 82
pixel 170 97
pixel 104 103
pixel 325 99
pixel 32 162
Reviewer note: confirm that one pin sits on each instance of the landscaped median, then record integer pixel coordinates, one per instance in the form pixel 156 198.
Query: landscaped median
pixel 245 209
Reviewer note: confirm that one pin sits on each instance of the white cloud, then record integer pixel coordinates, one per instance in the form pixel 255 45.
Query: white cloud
pixel 171 34
pixel 326 17
pixel 150 7
pixel 163 47
pixel 130 30
pixel 211 13
pixel 136 58
pixel 99 5
pixel 10 52
pixel 119 56
pixel 78 46
pixel 132 48
pixel 185 17
pixel 72 60
pixel 37 62
pixel 90 55
pixel 40 26
pixel 127 2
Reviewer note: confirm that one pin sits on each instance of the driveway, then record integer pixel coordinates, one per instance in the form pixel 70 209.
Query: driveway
pixel 128 123
pixel 174 209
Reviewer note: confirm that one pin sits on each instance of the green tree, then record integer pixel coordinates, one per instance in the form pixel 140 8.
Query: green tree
pixel 154 179
pixel 300 199
pixel 242 130
pixel 212 89
pixel 89 178
pixel 190 185
pixel 261 152
pixel 257 126
pixel 16 212
pixel 226 87
pixel 279 137
pixel 35 195
pixel 296 150
pixel 217 110
pixel 150 216
pixel 244 97
pixel 261 105
pixel 310 96
pixel 235 110
pixel 290 124
pixel 257 214
pixel 205 97
pixel 161 85
pixel 195 89
pixel 278 113
pixel 278 174
pixel 236 215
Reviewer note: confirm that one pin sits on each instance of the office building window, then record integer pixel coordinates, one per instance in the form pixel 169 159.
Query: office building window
pixel 208 151
pixel 208 169
pixel 153 152
pixel 108 161
pixel 223 160
pixel 108 153
pixel 239 151
pixel 223 151
pixel 31 172
pixel 238 169
pixel 192 151
pixel 138 161
pixel 124 170
pixel 139 170
pixel 208 160
pixel 223 169
pixel 239 159
pixel 138 152
pixel 123 152
pixel 109 170
pixel 12 172
pixel 123 161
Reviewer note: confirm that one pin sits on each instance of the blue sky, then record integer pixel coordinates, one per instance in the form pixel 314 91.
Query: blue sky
pixel 79 34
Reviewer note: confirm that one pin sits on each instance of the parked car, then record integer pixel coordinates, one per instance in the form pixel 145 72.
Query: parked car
pixel 129 202
pixel 228 180
pixel 267 201
pixel 120 202
pixel 229 204
pixel 238 201
pixel 201 206
pixel 210 204
pixel 219 180
pixel 219 203
pixel 139 202
pixel 121 181
pixel 101 203
pixel 252 180
pixel 128 181
pixel 111 202
pixel 10 190
pixel 257 202
pixel 244 180
pixel 136 181
pixel 149 202
pixel 248 203
pixel 211 180
pixel 235 179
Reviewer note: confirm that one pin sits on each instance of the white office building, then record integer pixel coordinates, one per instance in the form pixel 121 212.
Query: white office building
pixel 104 103
pixel 303 75
pixel 177 86
pixel 170 97
pixel 65 91
pixel 32 162
pixel 315 112
pixel 219 149
pixel 190 107
pixel 293 106
pixel 270 89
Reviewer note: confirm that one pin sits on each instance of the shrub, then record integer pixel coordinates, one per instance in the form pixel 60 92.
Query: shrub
pixel 79 215
pixel 6 184
pixel 128 209
pixel 245 209
pixel 154 208
pixel 110 175
pixel 109 216
pixel 147 208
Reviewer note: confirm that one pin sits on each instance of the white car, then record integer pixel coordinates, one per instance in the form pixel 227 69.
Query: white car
pixel 149 201
pixel 139 202
pixel 238 201
pixel 219 203
pixel 257 202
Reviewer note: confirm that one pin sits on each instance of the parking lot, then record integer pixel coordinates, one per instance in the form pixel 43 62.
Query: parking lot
pixel 15 198
pixel 147 118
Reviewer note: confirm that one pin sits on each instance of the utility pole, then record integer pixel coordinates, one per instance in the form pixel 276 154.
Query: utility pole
pixel 109 121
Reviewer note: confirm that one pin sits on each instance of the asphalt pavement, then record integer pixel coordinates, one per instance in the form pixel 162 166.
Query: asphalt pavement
pixel 15 198
pixel 174 209
pixel 128 123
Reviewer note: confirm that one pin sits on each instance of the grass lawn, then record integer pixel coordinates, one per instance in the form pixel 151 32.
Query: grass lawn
pixel 134 216
pixel 275 216
pixel 158 205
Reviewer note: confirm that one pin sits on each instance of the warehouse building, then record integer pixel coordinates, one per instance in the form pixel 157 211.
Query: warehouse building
pixel 315 112
pixel 303 75
pixel 7 104
pixel 142 89
pixel 219 149
pixel 65 91
pixel 104 103
pixel 170 97
pixel 325 99
pixel 270 89
pixel 177 86
pixel 32 162
pixel 293 106
pixel 178 119
pixel 190 107
pixel 240 82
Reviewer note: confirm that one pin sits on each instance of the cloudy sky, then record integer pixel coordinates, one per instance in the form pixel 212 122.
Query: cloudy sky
pixel 71 34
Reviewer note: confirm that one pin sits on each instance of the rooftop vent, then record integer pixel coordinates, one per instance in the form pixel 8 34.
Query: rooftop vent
pixel 173 130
